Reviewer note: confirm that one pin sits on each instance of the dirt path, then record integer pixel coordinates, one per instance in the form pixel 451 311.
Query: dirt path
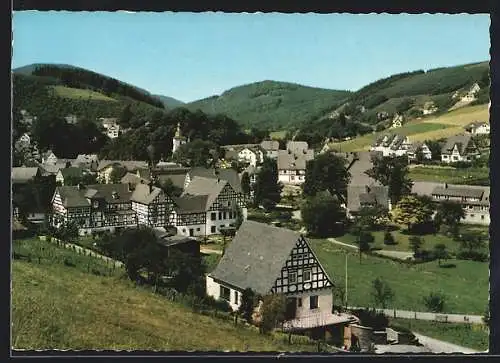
pixel 439 346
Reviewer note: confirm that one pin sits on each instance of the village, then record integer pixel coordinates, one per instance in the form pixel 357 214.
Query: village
pixel 254 212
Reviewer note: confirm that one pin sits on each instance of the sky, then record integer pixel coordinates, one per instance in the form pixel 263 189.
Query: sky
pixel 190 56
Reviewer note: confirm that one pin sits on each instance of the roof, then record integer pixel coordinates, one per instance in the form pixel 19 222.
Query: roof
pixel 87 158
pixel 166 240
pixel 53 168
pixel 145 194
pixel 230 175
pixel 130 165
pixel 358 195
pixel 207 187
pixel 23 175
pixel 72 171
pixel 256 256
pixel 191 203
pixel 358 169
pixel 231 154
pixel 457 190
pixel 297 146
pixel 131 178
pixel 293 161
pixel 476 124
pixel 460 140
pixel 270 145
pixel 72 196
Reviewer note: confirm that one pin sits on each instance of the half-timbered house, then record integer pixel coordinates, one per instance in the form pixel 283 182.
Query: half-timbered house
pixel 272 260
pixel 216 199
pixel 96 207
pixel 154 207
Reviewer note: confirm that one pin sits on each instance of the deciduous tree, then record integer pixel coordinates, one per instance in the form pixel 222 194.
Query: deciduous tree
pixel 440 252
pixel 412 210
pixel 393 173
pixel 327 172
pixel 382 293
pixel 267 185
pixel 322 214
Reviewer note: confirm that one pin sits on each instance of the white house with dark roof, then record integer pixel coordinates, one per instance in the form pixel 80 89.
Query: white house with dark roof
pixel 154 208
pixel 359 196
pixel 49 157
pixel 272 260
pixel 478 128
pixel 415 148
pixel 292 165
pixel 392 145
pixel 206 205
pixel 474 199
pixel 97 207
pixel 270 148
pixel 459 148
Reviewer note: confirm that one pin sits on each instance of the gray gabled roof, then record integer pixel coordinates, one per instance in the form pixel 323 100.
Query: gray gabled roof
pixel 145 194
pixel 297 146
pixel 288 160
pixel 229 174
pixel 462 141
pixel 191 203
pixel 255 256
pixel 23 175
pixel 72 196
pixel 357 195
pixel 458 192
pixel 205 186
pixel 270 145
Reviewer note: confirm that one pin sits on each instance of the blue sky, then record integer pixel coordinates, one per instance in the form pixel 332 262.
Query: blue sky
pixel 190 56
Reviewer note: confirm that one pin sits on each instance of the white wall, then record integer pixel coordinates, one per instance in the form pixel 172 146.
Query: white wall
pixel 198 230
pixel 325 303
pixel 286 178
pixel 218 222
pixel 213 289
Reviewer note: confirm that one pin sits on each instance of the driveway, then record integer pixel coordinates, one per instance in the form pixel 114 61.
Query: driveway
pixel 401 255
pixel 438 346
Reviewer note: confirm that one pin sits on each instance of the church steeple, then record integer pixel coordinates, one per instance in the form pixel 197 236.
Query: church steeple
pixel 178 132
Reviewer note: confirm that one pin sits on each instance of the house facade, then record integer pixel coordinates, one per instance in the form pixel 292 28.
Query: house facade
pixel 292 165
pixel 153 207
pixel 271 148
pixel 392 145
pixel 459 148
pixel 359 196
pixel 415 148
pixel 475 200
pixel 49 158
pixel 98 207
pixel 272 260
pixel 478 128
pixel 397 121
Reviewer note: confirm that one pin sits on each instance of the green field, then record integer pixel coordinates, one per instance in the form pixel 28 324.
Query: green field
pixel 469 336
pixel 465 286
pixel 59 307
pixel 68 92
pixel 402 239
pixel 469 176
pixel 278 135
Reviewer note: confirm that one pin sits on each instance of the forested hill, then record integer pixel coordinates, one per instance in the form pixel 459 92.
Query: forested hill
pixel 408 94
pixel 269 104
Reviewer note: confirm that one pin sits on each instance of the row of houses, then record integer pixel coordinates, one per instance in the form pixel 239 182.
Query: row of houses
pixel 458 148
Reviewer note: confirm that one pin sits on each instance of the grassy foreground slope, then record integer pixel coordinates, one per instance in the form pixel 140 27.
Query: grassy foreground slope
pixel 56 307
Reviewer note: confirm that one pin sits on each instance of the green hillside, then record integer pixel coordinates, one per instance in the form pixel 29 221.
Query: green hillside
pixel 57 304
pixel 169 102
pixel 270 104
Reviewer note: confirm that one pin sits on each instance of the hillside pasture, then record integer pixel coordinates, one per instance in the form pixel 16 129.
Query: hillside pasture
pixel 77 93
pixel 428 128
pixel 465 286
pixel 471 176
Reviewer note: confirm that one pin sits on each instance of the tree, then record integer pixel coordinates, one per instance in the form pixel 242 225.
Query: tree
pixel 126 116
pixel 247 305
pixel 393 173
pixel 435 302
pixel 412 210
pixel 272 311
pixel 435 148
pixel 326 172
pixel 68 232
pixel 245 183
pixel 450 213
pixel 117 173
pixel 170 188
pixel 389 238
pixel 381 292
pixel 364 240
pixel 267 185
pixel 419 155
pixel 372 217
pixel 196 153
pixel 416 244
pixel 322 214
pixel 440 252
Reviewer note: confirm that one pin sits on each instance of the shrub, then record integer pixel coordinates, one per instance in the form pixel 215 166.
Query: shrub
pixel 435 302
pixel 389 238
pixel 472 255
pixel 69 263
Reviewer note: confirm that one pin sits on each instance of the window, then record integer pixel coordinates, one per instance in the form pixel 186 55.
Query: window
pixel 213 216
pixel 292 277
pixel 313 302
pixel 198 229
pixel 299 302
pixel 306 275
pixel 230 215
pixel 472 215
pixel 225 293
pixel 220 215
pixel 184 230
pixel 212 229
pixel 236 297
pixel 225 215
pixel 482 217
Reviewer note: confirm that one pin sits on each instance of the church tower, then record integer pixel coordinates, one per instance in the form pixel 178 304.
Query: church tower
pixel 178 139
